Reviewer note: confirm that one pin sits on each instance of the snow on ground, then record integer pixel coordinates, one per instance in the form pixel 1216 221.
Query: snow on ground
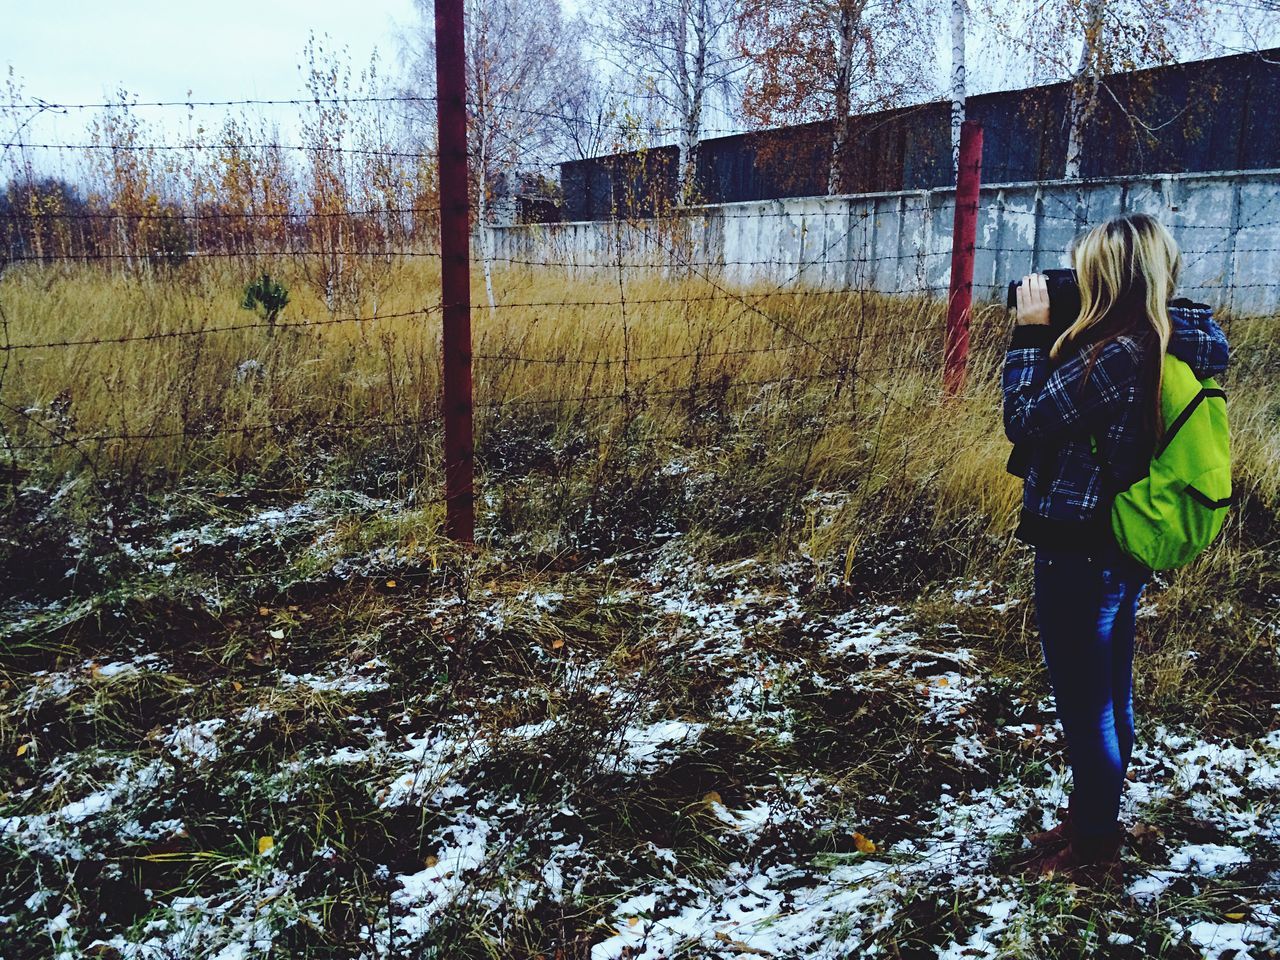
pixel 1217 782
pixel 196 742
pixel 645 748
pixel 1207 859
pixel 767 899
pixel 335 684
pixel 1234 940
pixel 230 926
pixel 424 894
pixel 271 523
pixel 47 686
pixel 74 830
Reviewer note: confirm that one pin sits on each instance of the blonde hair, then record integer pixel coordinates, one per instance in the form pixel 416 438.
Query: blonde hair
pixel 1128 269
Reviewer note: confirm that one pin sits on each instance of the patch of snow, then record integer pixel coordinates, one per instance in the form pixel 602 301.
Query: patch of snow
pixel 350 683
pixel 76 829
pixel 879 634
pixel 985 941
pixel 548 601
pixel 437 765
pixel 969 750
pixel 256 715
pixel 971 593
pixel 345 755
pixel 117 668
pixel 79 810
pixel 1206 859
pixel 948 696
pixel 423 895
pixel 1252 939
pixel 752 911
pixel 196 742
pixel 48 686
pixel 645 749
pixel 1152 885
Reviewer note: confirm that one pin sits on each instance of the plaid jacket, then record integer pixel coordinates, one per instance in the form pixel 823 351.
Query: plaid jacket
pixel 1051 412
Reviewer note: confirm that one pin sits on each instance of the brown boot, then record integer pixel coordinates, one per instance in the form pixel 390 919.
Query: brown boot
pixel 1056 836
pixel 1086 859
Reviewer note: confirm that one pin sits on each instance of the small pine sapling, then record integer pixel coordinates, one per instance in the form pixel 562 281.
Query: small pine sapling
pixel 268 295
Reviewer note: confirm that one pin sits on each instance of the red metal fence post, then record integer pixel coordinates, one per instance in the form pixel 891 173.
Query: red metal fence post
pixel 455 271
pixel 963 242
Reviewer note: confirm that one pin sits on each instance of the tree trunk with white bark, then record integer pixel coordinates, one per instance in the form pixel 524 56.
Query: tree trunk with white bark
pixel 693 25
pixel 959 14
pixel 850 16
pixel 1084 90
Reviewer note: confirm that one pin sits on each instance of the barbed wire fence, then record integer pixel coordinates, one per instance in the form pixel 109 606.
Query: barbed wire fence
pixel 650 325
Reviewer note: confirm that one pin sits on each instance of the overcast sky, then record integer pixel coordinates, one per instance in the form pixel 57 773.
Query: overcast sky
pixel 77 51
pixel 68 51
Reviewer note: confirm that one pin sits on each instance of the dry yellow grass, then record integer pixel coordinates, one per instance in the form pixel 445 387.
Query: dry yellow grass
pixel 844 386
pixel 325 371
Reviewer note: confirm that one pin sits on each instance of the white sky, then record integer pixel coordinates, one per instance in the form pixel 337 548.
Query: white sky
pixel 66 51
pixel 80 51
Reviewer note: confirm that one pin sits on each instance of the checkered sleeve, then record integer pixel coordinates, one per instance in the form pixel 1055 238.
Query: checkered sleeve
pixel 1040 403
pixel 1197 339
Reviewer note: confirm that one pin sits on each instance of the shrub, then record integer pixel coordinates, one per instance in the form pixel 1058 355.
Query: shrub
pixel 268 295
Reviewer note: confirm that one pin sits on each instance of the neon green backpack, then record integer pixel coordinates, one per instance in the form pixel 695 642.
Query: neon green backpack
pixel 1169 516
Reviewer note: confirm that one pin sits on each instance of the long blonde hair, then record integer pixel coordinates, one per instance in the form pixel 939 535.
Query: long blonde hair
pixel 1128 269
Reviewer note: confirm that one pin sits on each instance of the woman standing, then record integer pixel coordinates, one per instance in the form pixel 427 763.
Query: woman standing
pixel 1086 402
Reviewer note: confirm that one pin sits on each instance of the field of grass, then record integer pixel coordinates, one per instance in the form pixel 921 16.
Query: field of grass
pixel 744 662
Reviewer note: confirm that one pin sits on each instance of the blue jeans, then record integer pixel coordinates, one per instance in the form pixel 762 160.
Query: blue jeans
pixel 1085 610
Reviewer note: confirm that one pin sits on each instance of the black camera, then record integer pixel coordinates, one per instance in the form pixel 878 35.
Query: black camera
pixel 1064 309
pixel 1064 298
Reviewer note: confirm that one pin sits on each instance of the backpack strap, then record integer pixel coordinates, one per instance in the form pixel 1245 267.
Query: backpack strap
pixel 1204 394
pixel 1208 501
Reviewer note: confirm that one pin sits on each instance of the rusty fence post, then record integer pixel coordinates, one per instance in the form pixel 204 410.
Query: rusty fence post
pixel 455 271
pixel 963 243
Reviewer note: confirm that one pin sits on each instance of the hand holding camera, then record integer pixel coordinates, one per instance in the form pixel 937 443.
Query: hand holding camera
pixel 1033 301
pixel 1051 297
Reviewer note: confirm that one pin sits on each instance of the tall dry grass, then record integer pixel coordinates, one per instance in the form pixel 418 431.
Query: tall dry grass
pixel 862 370
pixel 757 419
pixel 575 343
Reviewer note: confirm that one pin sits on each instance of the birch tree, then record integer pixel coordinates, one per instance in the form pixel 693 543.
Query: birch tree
pixel 1084 41
pixel 959 34
pixel 1084 84
pixel 590 119
pixel 679 53
pixel 826 59
pixel 1251 28
pixel 524 58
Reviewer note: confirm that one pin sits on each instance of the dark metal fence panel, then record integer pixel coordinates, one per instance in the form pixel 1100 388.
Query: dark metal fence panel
pixel 640 183
pixel 1025 135
pixel 1220 114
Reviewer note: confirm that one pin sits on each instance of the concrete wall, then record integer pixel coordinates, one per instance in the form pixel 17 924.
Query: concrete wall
pixel 1228 225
